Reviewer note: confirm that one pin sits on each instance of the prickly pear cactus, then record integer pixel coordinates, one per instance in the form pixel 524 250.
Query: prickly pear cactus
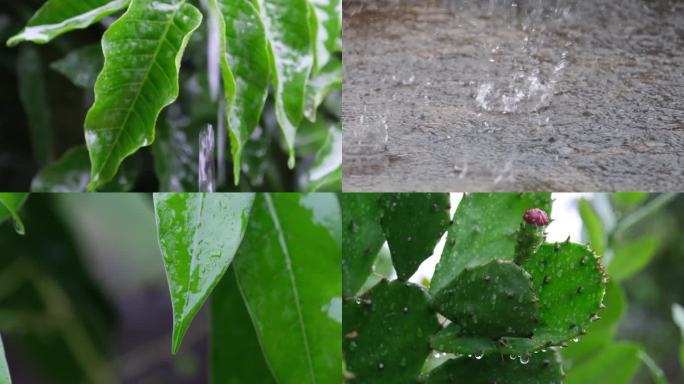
pixel 531 235
pixel 386 333
pixel 362 238
pixel 413 224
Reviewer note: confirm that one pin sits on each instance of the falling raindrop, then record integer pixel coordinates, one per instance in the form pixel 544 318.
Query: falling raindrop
pixel 206 159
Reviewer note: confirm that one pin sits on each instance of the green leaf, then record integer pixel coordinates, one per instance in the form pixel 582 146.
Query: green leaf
pixel 236 355
pixel 288 270
pixel 326 172
pixel 386 333
pixel 599 333
pixel 593 226
pixel 328 14
pixel 9 205
pixel 33 95
pixel 81 66
pixel 492 300
pixel 630 198
pixel 175 153
pixel 542 368
pixel 245 69
pixel 382 269
pixel 71 173
pixel 362 238
pixel 327 80
pixel 630 258
pixel 57 17
pixel 4 371
pixel 292 60
pixel 678 317
pixel 413 223
pixel 199 234
pixel 656 372
pixel 142 53
pixel 484 230
pixel 615 364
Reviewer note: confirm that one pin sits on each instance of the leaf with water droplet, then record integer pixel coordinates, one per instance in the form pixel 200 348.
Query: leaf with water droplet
pixel 326 172
pixel 493 300
pixel 9 206
pixel 142 51
pixel 388 335
pixel 542 368
pixel 484 230
pixel 362 238
pixel 413 223
pixel 193 228
pixel 4 371
pixel 318 88
pixel 57 17
pixel 288 270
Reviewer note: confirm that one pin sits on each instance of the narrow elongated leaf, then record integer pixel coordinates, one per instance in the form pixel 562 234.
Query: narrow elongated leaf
pixel 593 226
pixel 245 69
pixel 601 368
pixel 386 333
pixel 142 53
pixel 56 17
pixel 413 223
pixel 328 15
pixel 71 173
pixel 483 230
pixel 288 270
pixel 9 205
pixel 236 355
pixel 81 66
pixel 656 372
pixel 199 234
pixel 326 172
pixel 362 238
pixel 543 368
pixel 4 371
pixel 630 258
pixel 292 60
pixel 678 316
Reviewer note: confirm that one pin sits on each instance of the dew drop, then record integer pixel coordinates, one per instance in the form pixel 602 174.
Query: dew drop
pixel 524 359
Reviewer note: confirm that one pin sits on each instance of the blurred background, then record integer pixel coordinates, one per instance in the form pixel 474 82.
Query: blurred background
pixel 640 239
pixel 84 298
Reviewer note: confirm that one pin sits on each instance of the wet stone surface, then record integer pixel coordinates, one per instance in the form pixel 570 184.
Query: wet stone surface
pixel 513 95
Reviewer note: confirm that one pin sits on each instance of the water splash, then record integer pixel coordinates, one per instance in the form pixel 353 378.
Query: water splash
pixel 207 180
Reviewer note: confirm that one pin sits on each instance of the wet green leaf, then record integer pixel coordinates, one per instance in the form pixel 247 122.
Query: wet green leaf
pixel 601 368
pixel 484 230
pixel 245 70
pixel 292 60
pixel 4 371
pixel 288 270
pixel 199 234
pixel 56 17
pixel 235 351
pixel 630 257
pixel 71 173
pixel 593 226
pixel 362 238
pixel 542 368
pixel 382 269
pixel 327 80
pixel 599 333
pixel 9 205
pixel 451 340
pixel 142 53
pixel 325 174
pixel 678 317
pixel 630 198
pixel 175 153
pixel 386 333
pixel 492 300
pixel 81 66
pixel 34 99
pixel 413 223
pixel 328 14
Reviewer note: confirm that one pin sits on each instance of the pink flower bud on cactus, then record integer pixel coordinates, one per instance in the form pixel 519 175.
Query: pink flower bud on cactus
pixel 537 217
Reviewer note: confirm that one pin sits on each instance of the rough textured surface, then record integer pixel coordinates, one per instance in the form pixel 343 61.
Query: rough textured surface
pixel 486 96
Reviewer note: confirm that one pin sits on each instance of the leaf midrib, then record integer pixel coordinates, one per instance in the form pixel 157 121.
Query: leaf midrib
pixel 293 282
pixel 193 257
pixel 143 82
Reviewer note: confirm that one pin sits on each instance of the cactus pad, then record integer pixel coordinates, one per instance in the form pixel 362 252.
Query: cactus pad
pixel 542 368
pixel 361 240
pixel 492 300
pixel 386 333
pixel 484 229
pixel 413 223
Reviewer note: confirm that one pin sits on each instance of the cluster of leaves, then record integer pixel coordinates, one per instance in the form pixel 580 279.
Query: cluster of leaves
pixel 268 263
pixel 498 289
pixel 289 50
